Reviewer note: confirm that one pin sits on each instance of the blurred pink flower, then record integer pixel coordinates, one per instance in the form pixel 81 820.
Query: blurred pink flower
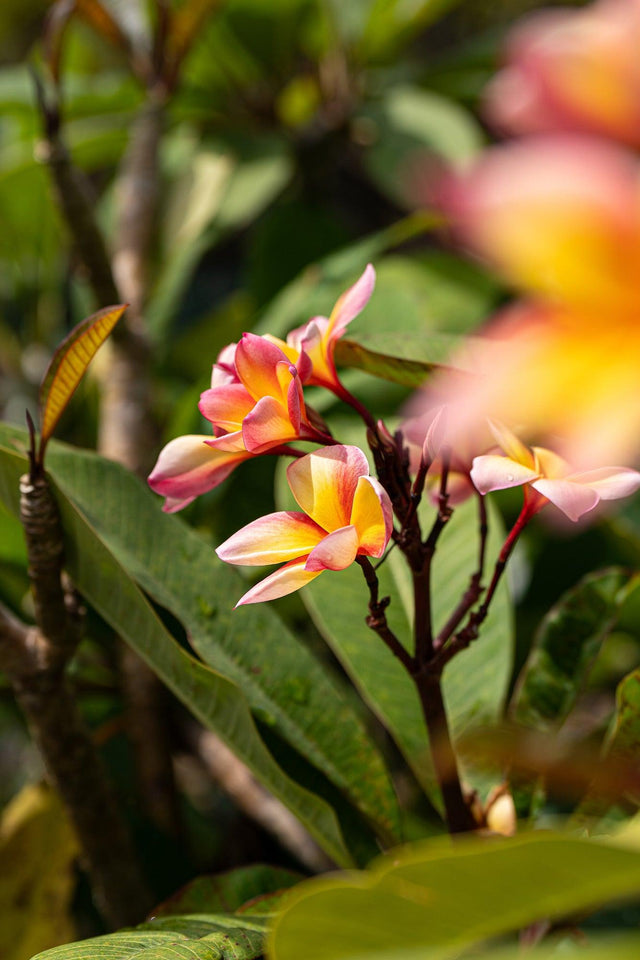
pixel 559 217
pixel 346 513
pixel 572 70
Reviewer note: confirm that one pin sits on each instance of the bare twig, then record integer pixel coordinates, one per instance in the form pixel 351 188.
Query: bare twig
pixel 377 619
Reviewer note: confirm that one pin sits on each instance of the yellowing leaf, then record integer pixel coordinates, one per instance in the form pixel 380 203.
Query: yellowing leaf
pixel 37 852
pixel 68 366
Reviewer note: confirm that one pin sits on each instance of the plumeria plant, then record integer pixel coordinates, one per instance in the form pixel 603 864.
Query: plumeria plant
pixel 455 787
pixel 256 405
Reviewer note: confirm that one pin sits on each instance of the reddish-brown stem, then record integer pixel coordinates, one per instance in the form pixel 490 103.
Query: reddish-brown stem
pixel 343 394
pixel 377 619
pixel 470 631
pixel 474 590
pixel 457 812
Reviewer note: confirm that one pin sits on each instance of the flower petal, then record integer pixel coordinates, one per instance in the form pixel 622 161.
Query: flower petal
pixel 227 405
pixel 224 369
pixel 336 551
pixel 278 537
pixel 256 361
pixel 267 425
pixel 492 472
pixel 188 466
pixel 550 465
pixel 513 447
pixel 610 483
pixel 574 499
pixel 285 580
pixel 372 516
pixel 324 483
pixel 350 304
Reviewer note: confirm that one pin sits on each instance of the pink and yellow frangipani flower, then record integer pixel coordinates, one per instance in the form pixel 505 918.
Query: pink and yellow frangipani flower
pixel 317 338
pixel 255 402
pixel 188 467
pixel 572 70
pixel 550 477
pixel 559 217
pixel 346 513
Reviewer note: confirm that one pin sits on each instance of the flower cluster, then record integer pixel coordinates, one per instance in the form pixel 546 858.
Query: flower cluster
pixel 557 214
pixel 255 404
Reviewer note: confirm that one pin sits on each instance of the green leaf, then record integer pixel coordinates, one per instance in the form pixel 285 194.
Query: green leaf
pixel 406 360
pixel 320 284
pixel 213 698
pixel 475 682
pixel 394 22
pixel 172 938
pixel 290 691
pixel 220 188
pixel 566 646
pixel 439 899
pixel 38 850
pixel 409 128
pixel 243 888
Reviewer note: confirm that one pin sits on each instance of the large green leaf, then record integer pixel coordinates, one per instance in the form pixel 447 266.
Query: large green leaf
pixel 402 359
pixel 196 937
pixel 434 899
pixel 213 698
pixel 403 284
pixel 475 682
pixel 251 646
pixel 566 646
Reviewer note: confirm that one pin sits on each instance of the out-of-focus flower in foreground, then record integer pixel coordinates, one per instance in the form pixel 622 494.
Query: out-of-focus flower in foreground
pixel 346 513
pixel 560 219
pixel 188 467
pixel 255 402
pixel 572 70
pixel 317 338
pixel 548 478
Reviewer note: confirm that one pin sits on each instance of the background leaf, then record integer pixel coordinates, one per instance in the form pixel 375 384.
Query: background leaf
pixel 566 646
pixel 438 899
pixel 215 700
pixel 38 850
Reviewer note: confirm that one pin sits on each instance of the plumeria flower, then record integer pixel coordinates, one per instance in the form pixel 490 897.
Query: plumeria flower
pixel 427 437
pixel 549 477
pixel 316 339
pixel 255 402
pixel 188 467
pixel 346 513
pixel 572 70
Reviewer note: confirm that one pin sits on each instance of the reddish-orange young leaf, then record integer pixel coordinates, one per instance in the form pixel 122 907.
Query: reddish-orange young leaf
pixel 68 365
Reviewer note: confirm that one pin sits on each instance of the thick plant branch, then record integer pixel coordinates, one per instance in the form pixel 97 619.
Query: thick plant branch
pixel 35 663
